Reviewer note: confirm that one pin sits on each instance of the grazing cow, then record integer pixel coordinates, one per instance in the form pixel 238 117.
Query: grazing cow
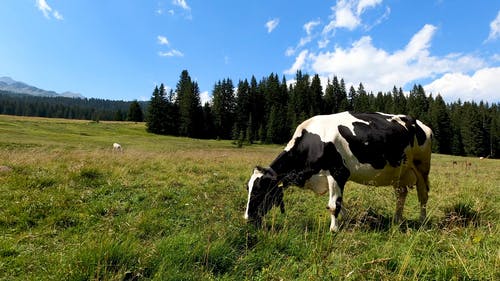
pixel 326 151
pixel 117 147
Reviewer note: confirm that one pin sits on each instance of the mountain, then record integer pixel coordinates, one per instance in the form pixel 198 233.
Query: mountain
pixel 10 85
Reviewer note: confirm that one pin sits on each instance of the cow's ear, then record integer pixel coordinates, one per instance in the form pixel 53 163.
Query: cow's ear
pixel 259 169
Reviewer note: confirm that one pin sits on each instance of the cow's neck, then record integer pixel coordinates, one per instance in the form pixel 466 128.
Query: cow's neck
pixel 290 171
pixel 283 164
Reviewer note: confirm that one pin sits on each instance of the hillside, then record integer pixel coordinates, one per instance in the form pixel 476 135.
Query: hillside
pixel 64 107
pixel 8 84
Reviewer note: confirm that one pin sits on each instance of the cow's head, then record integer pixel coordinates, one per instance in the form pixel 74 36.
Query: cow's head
pixel 263 194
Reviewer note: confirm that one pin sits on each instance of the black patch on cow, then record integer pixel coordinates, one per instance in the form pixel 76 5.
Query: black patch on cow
pixel 380 141
pixel 421 137
pixel 306 158
pixel 338 206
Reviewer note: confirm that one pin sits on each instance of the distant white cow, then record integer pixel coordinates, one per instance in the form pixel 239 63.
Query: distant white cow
pixel 117 147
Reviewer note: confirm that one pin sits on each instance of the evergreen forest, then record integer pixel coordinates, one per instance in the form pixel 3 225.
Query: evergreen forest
pixel 70 108
pixel 268 111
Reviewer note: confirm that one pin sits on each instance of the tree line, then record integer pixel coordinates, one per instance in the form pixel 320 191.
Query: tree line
pixel 70 108
pixel 269 110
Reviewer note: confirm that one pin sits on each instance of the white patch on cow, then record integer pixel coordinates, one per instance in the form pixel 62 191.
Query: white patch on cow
pixel 428 132
pixel 335 192
pixel 256 174
pixel 325 126
pixel 365 174
pixel 397 118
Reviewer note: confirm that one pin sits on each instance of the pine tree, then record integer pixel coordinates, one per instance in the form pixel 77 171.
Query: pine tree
pixel 276 94
pixel 243 107
pixel 224 104
pixel 172 115
pixel 418 105
pixel 155 121
pixel 208 128
pixel 471 131
pixel 329 99
pixel 300 100
pixel 352 96
pixel 495 132
pixel 441 126
pixel 316 96
pixel 361 102
pixel 342 101
pixel 250 134
pixel 135 112
pixel 257 109
pixel 380 103
pixel 399 101
pixel 456 117
pixel 190 112
pixel 272 127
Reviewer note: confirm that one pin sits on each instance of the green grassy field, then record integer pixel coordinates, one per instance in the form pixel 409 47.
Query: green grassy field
pixel 172 209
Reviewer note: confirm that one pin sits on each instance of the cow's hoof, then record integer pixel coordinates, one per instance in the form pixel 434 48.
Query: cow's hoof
pixel 334 228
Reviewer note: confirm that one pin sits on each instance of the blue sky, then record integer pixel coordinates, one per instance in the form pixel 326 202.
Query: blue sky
pixel 121 49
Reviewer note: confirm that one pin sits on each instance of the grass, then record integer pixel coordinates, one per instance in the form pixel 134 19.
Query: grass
pixel 171 209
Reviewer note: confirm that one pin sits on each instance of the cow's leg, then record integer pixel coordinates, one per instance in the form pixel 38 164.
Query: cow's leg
pixel 422 191
pixel 335 201
pixel 401 192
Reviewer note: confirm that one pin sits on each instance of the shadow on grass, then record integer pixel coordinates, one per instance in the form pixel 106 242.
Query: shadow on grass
pixel 368 220
pixel 460 215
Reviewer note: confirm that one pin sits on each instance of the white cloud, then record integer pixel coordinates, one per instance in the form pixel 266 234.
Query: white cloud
pixel 364 4
pixel 205 97
pixel 289 52
pixel 181 8
pixel 171 53
pixel 494 28
pixel 182 4
pixel 299 63
pixel 43 6
pixel 58 16
pixel 323 43
pixel 482 85
pixel 347 14
pixel 343 17
pixel 162 40
pixel 380 70
pixel 272 24
pixel 308 27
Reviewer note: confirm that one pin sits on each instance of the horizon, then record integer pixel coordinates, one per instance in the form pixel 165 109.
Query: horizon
pixel 121 51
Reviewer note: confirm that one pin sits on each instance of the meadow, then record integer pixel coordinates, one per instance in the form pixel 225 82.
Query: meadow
pixel 170 208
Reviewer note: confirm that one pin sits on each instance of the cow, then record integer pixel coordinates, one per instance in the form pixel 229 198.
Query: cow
pixel 117 147
pixel 326 151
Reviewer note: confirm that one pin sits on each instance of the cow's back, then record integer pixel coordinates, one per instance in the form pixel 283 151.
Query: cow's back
pixel 376 148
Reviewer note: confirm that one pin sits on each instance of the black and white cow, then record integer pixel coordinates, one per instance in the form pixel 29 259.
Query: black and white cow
pixel 326 151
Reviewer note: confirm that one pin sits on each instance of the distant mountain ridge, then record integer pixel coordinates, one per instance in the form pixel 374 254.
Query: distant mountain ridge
pixel 10 85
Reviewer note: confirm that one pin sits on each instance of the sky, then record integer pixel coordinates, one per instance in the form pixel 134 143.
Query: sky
pixel 120 50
